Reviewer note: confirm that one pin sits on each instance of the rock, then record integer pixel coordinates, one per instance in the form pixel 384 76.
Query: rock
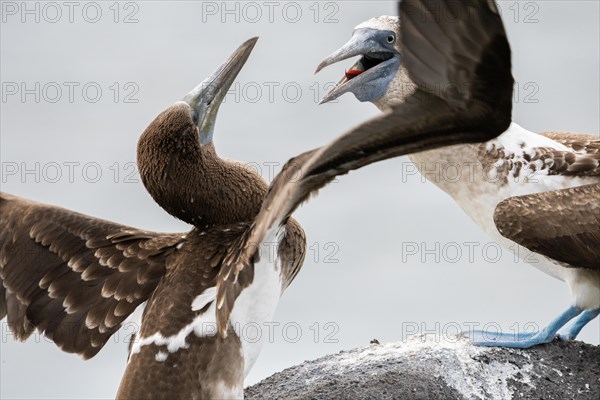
pixel 423 369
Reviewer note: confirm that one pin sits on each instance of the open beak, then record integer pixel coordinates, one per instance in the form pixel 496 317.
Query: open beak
pixel 206 98
pixel 375 60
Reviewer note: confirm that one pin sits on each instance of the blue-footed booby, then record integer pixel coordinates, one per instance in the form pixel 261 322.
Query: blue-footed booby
pixel 77 278
pixel 540 191
pixel 471 50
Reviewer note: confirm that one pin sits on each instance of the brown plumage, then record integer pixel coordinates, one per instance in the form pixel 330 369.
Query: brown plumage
pixel 579 142
pixel 74 277
pixel 77 278
pixel 585 161
pixel 189 180
pixel 582 158
pixel 470 50
pixel 561 224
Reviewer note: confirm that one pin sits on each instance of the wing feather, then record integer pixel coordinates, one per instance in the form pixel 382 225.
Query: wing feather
pixel 562 224
pixel 579 142
pixel 74 277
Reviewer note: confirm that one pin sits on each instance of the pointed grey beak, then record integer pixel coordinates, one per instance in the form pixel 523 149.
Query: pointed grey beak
pixel 356 46
pixel 206 98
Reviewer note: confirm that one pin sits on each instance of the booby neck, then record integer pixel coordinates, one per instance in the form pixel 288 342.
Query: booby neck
pixel 399 89
pixel 189 180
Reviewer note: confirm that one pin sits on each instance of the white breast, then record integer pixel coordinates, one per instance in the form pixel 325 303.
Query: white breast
pixel 255 306
pixel 478 195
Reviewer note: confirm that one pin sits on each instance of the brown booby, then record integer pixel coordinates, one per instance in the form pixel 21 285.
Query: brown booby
pixel 469 50
pixel 540 191
pixel 77 278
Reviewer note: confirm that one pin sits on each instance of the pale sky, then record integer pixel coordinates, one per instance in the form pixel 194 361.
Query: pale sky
pixel 389 255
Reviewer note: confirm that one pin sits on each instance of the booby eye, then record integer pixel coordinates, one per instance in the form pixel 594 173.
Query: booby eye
pixel 391 39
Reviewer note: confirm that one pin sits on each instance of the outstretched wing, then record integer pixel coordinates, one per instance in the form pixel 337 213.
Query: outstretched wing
pixel 562 224
pixel 454 50
pixel 74 277
pixel 475 52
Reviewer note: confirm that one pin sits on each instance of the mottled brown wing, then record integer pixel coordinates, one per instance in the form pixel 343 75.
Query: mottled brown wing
pixel 584 160
pixel 74 277
pixel 476 52
pixel 581 143
pixel 562 224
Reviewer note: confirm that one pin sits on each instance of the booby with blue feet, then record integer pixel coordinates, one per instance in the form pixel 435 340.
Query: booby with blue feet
pixel 539 191
pixel 76 278
pixel 472 50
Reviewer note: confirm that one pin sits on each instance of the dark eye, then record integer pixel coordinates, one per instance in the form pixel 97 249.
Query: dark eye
pixel 391 39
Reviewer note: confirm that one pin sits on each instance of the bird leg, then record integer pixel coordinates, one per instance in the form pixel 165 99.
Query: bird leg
pixel 585 317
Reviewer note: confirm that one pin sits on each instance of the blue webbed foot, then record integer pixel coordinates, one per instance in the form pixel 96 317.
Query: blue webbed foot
pixel 525 340
pixel 514 340
pixel 491 338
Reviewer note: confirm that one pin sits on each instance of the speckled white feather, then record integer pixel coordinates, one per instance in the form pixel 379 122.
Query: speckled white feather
pixel 518 140
pixel 385 22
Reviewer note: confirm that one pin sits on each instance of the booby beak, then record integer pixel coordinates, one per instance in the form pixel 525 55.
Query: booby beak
pixel 369 77
pixel 206 98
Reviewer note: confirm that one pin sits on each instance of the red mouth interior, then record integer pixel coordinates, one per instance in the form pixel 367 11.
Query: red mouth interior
pixel 353 73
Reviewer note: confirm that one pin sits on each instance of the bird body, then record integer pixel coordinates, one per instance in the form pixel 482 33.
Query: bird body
pixel 179 343
pixel 505 167
pixel 534 194
pixel 522 163
pixel 77 278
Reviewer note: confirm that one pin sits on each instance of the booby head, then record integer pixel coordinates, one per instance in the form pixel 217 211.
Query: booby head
pixel 371 77
pixel 204 101
pixel 178 163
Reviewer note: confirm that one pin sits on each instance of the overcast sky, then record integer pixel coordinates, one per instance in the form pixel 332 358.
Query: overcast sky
pixel 388 255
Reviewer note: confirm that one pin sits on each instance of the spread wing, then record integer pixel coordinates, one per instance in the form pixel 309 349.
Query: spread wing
pixel 562 224
pixel 74 277
pixel 453 49
pixel 475 50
